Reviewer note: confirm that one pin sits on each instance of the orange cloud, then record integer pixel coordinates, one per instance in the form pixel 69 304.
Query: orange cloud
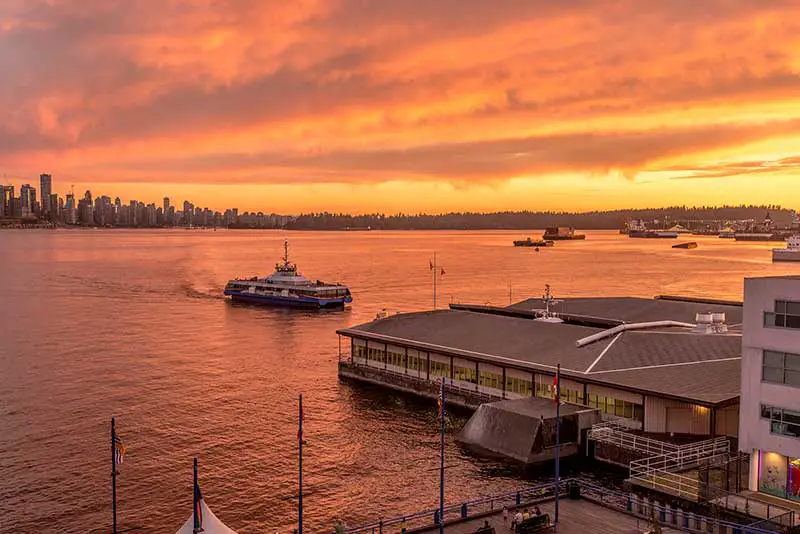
pixel 366 92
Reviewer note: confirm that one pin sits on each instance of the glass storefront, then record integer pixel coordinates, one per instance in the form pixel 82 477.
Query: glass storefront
pixel 779 475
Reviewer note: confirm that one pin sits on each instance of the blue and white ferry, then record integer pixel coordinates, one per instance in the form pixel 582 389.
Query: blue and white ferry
pixel 287 287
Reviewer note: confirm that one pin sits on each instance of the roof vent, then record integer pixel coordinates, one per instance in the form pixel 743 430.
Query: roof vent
pixel 710 323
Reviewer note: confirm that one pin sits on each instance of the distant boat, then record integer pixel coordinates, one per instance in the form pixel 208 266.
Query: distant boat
pixel 690 244
pixel 790 253
pixel 679 229
pixel 637 228
pixel 531 243
pixel 776 235
pixel 561 233
pixel 653 234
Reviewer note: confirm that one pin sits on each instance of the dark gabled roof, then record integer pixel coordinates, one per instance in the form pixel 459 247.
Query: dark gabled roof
pixel 675 362
pixel 636 310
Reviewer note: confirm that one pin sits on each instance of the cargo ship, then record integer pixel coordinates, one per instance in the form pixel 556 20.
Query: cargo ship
pixel 561 233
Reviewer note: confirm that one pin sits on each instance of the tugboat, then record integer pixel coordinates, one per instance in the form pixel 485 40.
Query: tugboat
pixel 287 287
pixel 790 253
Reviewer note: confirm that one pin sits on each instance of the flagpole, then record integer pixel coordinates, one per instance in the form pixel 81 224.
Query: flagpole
pixel 113 477
pixel 435 273
pixel 300 469
pixel 195 520
pixel 441 469
pixel 558 436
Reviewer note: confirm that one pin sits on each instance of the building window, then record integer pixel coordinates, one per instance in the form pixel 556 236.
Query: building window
pixel 786 315
pixel 782 422
pixel 781 368
pixel 617 407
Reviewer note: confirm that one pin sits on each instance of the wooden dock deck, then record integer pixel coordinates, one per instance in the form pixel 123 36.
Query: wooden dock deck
pixel 575 517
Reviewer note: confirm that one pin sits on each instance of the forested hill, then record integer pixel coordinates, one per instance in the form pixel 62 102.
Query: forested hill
pixel 593 220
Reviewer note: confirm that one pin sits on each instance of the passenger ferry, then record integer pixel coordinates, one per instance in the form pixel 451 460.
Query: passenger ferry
pixel 287 287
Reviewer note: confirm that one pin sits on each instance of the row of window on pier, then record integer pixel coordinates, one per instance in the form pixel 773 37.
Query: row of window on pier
pixel 430 366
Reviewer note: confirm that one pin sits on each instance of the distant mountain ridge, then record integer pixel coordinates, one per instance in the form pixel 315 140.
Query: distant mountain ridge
pixel 523 220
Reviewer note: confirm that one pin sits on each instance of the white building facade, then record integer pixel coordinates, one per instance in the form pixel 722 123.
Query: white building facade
pixel 769 415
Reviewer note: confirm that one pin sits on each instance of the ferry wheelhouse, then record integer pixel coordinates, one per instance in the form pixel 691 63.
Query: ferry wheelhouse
pixel 287 287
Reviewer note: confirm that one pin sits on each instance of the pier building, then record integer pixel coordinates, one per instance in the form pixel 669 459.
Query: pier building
pixel 661 365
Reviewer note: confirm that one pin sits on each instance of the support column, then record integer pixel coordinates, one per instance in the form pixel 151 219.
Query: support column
pixel 755 468
pixel 405 358
pixel 504 382
pixel 477 374
pixel 712 422
pixel 452 371
pixel 428 367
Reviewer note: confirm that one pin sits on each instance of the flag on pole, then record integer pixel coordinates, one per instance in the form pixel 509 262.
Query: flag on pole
pixel 556 389
pixel 442 272
pixel 119 450
pixel 430 262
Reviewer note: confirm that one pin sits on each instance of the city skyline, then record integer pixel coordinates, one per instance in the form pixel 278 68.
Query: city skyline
pixel 411 107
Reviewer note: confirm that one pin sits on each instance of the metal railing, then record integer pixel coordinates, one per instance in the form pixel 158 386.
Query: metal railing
pixel 672 517
pixel 685 457
pixel 756 508
pixel 661 472
pixel 469 390
pixel 615 433
pixel 464 510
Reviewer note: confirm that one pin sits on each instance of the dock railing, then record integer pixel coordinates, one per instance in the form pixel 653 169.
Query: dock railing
pixel 662 472
pixel 620 435
pixel 464 510
pixel 676 518
pixel 669 516
pixel 742 503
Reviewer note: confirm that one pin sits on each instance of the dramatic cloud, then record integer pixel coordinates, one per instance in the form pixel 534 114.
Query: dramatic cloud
pixel 366 91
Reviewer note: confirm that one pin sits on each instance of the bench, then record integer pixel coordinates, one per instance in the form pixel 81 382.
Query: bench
pixel 537 523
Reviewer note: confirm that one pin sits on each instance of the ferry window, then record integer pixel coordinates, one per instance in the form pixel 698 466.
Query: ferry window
pixel 781 368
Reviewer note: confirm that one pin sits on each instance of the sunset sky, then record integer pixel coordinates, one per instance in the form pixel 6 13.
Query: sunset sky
pixel 405 105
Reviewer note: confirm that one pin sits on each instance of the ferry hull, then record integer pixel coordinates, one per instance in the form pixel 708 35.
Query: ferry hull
pixel 293 302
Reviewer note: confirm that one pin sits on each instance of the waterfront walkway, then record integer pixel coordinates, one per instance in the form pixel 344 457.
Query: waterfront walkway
pixel 575 517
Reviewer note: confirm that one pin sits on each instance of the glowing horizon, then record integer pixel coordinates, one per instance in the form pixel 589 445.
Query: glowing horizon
pixel 417 107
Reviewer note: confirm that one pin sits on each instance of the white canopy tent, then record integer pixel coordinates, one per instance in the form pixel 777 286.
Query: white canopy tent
pixel 211 523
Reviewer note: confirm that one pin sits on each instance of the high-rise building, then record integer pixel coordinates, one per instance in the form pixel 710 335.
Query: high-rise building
pixel 166 204
pixel 188 212
pixel 55 214
pixel 769 411
pixel 27 197
pixel 6 194
pixel 45 190
pixel 70 210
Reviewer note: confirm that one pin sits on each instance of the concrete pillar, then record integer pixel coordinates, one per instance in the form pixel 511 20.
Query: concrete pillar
pixel 755 461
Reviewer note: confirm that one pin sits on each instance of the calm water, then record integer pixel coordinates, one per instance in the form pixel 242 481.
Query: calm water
pixel 131 323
